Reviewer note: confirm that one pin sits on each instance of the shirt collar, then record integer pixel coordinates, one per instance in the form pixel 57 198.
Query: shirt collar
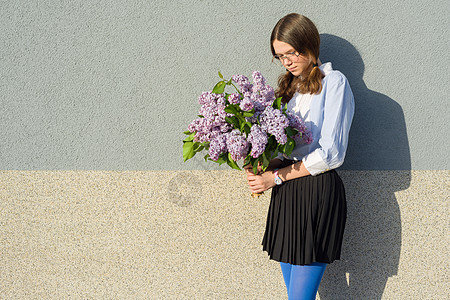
pixel 326 68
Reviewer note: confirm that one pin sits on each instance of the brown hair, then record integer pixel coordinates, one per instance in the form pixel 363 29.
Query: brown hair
pixel 301 33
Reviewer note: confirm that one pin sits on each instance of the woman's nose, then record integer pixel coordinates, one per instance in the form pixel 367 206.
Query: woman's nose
pixel 287 62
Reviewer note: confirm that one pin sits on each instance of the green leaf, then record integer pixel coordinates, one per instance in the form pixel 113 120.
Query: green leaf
pixel 277 103
pixel 248 113
pixel 187 132
pixel 247 159
pixel 291 131
pixel 223 158
pixel 290 145
pixel 239 116
pixel 206 145
pixel 275 152
pixel 232 109
pixel 233 121
pixel 282 148
pixel 265 162
pixel 255 165
pixel 241 128
pixel 198 147
pixel 246 127
pixel 271 142
pixel 232 163
pixel 190 138
pixel 188 150
pixel 219 88
pixel 220 75
pixel 206 157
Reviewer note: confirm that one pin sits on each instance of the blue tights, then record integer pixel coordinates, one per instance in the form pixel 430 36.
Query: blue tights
pixel 302 282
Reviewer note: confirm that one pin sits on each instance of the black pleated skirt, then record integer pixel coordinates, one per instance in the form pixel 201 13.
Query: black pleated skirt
pixel 306 220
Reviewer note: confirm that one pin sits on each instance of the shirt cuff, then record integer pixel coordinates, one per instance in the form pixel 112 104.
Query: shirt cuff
pixel 315 164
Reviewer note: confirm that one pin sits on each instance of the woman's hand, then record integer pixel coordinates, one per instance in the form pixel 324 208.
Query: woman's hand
pixel 249 168
pixel 260 183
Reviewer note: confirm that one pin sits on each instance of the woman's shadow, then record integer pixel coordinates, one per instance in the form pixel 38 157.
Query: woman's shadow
pixel 377 165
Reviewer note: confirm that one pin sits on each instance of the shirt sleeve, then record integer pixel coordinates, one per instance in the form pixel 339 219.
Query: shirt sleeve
pixel 337 109
pixel 280 156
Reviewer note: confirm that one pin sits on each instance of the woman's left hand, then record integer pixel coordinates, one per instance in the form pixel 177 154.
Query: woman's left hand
pixel 260 183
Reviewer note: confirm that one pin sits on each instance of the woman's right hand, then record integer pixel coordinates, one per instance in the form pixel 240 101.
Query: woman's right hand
pixel 274 164
pixel 249 169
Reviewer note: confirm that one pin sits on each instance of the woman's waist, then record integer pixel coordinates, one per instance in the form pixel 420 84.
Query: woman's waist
pixel 301 151
pixel 287 162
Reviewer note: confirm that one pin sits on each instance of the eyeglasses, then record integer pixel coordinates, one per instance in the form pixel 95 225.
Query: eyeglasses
pixel 291 56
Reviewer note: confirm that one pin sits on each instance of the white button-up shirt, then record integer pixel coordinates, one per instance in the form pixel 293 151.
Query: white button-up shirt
pixel 328 115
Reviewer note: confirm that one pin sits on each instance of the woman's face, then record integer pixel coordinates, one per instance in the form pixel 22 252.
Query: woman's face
pixel 298 65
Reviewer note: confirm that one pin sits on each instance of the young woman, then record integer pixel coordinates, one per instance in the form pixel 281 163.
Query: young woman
pixel 307 212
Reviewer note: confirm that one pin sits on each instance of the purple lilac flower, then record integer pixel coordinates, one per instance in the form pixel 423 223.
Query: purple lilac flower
pixel 215 132
pixel 268 94
pixel 259 107
pixel 212 123
pixel 254 119
pixel 262 93
pixel 307 137
pixel 244 84
pixel 259 81
pixel 218 146
pixel 200 125
pixel 234 98
pixel 246 104
pixel 225 127
pixel 201 137
pixel 206 98
pixel 204 129
pixel 220 108
pixel 304 134
pixel 212 126
pixel 256 97
pixel 237 145
pixel 258 139
pixel 208 110
pixel 273 121
pixel 194 125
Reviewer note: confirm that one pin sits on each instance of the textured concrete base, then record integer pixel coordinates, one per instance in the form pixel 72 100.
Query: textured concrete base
pixel 197 234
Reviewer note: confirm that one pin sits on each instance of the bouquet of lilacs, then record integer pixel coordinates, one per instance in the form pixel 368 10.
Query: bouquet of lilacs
pixel 249 124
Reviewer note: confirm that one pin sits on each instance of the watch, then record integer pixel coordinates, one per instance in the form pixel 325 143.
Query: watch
pixel 277 179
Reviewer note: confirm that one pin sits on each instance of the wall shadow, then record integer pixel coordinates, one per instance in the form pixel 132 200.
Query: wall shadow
pixel 378 141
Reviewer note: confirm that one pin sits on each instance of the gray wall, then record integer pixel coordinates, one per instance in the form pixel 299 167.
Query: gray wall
pixel 112 85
